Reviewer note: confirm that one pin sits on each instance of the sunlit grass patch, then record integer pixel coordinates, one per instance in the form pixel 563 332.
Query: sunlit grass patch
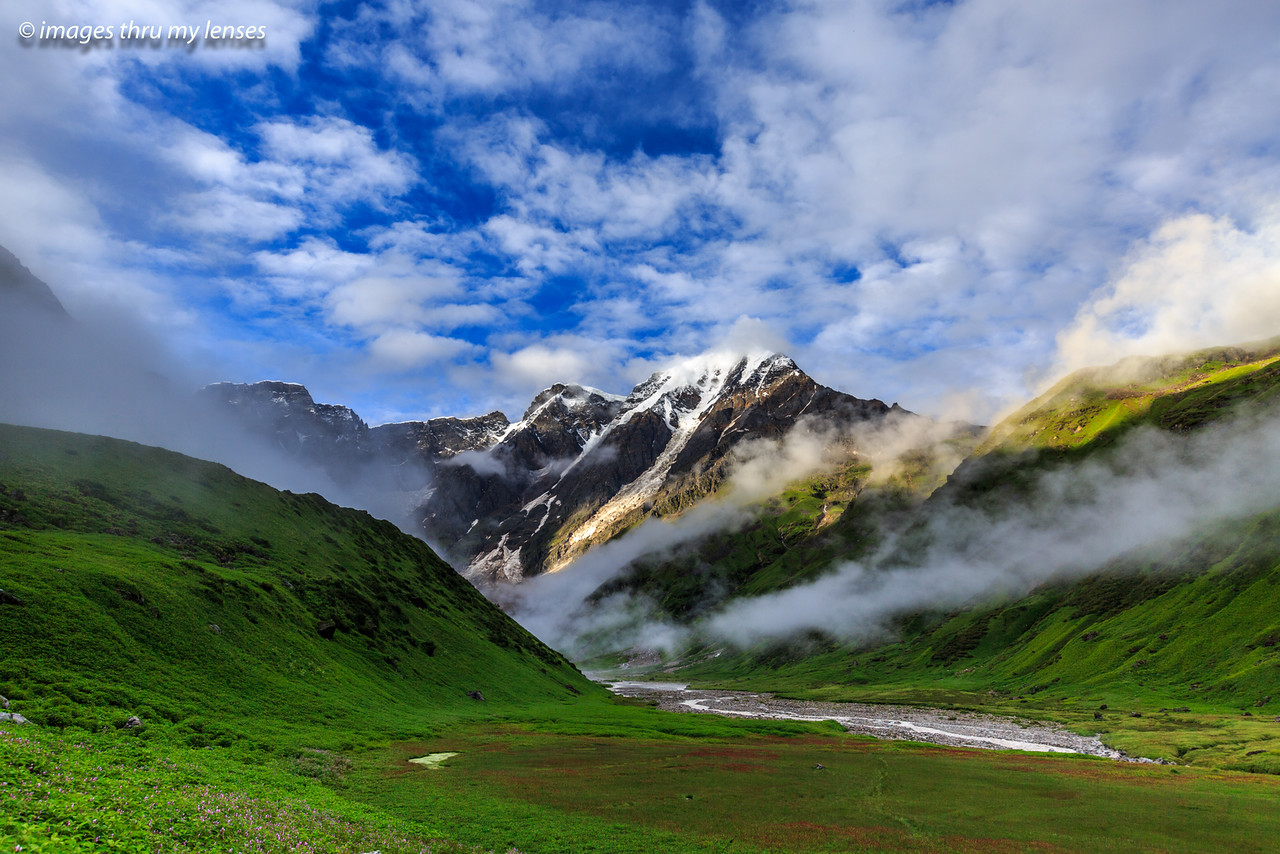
pixel 103 792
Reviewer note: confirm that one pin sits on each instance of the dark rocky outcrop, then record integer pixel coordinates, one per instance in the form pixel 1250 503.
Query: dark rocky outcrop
pixel 333 437
pixel 390 457
pixel 582 466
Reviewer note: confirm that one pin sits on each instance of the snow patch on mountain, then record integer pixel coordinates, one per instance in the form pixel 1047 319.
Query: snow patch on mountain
pixel 502 563
pixel 683 395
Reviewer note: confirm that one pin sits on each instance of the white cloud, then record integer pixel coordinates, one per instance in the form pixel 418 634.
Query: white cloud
pixel 311 267
pixel 458 47
pixel 339 159
pixel 222 212
pixel 540 366
pixel 986 166
pixel 311 169
pixel 404 348
pixel 381 300
pixel 1198 281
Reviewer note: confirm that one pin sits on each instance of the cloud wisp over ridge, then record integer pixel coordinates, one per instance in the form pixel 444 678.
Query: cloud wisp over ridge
pixel 1152 490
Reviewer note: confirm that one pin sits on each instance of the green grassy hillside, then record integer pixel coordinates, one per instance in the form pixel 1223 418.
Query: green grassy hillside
pixel 1094 407
pixel 1176 658
pixel 143 583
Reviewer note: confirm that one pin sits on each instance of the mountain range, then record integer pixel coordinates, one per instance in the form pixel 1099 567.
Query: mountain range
pixel 510 500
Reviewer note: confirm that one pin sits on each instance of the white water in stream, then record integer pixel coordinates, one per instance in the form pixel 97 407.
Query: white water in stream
pixel 937 726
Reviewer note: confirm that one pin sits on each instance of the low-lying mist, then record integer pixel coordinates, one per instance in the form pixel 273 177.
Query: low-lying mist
pixel 1145 494
pixel 105 375
pixel 1149 492
pixel 566 609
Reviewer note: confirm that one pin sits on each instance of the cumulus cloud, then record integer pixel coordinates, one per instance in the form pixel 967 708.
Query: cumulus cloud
pixel 337 159
pixel 404 348
pixel 578 359
pixel 980 165
pixel 462 47
pixel 1197 282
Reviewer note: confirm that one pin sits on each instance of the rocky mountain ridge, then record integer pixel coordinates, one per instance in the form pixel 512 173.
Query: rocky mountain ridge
pixel 582 465
pixel 402 455
pixel 20 288
pixel 510 500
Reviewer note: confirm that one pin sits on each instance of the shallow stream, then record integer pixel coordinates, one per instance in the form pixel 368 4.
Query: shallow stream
pixel 936 726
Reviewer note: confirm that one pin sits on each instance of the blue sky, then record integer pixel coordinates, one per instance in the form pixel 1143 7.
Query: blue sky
pixel 429 208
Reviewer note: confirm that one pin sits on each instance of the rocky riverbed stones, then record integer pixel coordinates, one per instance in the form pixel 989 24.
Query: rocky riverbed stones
pixel 936 726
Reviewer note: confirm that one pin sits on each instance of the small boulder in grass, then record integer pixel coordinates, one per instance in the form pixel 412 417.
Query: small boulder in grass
pixel 133 722
pixel 475 695
pixel 12 718
pixel 4 702
pixel 326 629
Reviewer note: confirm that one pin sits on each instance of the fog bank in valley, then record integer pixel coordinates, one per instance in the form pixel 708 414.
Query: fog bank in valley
pixel 560 607
pixel 1148 493
pixel 1140 498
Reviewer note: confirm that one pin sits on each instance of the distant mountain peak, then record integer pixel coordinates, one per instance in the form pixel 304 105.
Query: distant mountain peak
pixel 569 396
pixel 399 455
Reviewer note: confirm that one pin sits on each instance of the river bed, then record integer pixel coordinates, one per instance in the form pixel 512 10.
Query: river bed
pixel 936 726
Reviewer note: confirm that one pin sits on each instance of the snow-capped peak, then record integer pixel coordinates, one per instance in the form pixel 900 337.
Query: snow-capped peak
pixel 571 398
pixel 707 376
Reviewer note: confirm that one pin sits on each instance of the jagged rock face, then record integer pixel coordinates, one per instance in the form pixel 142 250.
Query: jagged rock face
pixel 439 438
pixel 582 466
pixel 296 422
pixel 509 501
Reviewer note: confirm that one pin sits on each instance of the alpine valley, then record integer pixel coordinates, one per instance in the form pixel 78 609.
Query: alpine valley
pixel 193 660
